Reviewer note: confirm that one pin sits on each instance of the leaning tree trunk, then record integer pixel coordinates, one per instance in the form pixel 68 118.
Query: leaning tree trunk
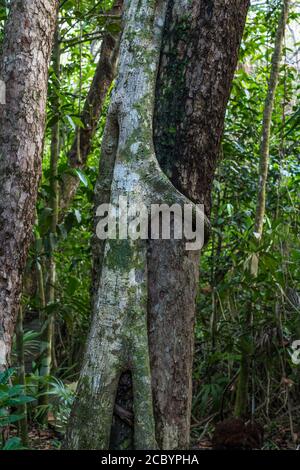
pixel 93 106
pixel 200 55
pixel 24 70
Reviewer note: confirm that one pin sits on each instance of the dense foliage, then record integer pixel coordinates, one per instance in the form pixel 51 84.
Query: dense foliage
pixel 226 288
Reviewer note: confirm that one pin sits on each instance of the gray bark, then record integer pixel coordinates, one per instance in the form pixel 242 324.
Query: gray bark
pixel 24 70
pixel 118 338
pixel 202 65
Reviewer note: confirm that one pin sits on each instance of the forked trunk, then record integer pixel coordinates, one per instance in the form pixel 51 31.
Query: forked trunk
pixel 118 339
pixel 200 50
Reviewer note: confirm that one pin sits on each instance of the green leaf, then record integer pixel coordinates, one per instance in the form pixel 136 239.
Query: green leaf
pixel 6 375
pixel 73 284
pixel 20 400
pixel 82 177
pixel 14 443
pixel 5 421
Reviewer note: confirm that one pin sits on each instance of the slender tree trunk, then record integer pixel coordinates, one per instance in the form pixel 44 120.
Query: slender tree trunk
pixel 104 75
pixel 241 403
pixel 129 130
pixel 47 333
pixel 24 70
pixel 23 427
pixel 41 289
pixel 121 301
pixel 267 120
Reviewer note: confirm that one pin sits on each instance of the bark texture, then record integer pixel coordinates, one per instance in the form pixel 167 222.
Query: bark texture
pixel 24 70
pixel 118 339
pixel 199 56
pixel 200 53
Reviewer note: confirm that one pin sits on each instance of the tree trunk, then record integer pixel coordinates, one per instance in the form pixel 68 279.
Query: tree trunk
pixel 104 75
pixel 47 327
pixel 199 57
pixel 241 403
pixel 267 120
pixel 22 409
pixel 203 61
pixel 121 301
pixel 24 70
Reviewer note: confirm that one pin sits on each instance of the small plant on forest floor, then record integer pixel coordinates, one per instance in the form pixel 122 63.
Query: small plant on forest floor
pixel 61 397
pixel 11 397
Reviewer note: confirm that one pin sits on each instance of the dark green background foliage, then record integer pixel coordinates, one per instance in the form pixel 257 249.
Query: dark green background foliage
pixel 226 288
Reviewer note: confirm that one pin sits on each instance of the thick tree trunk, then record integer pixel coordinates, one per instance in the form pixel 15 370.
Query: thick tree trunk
pixel 203 63
pixel 24 70
pixel 93 106
pixel 200 52
pixel 119 338
pixel 241 403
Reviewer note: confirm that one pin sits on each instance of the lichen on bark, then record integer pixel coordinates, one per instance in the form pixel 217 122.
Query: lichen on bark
pixel 118 338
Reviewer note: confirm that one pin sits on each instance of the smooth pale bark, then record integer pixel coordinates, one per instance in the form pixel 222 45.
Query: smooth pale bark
pixel 223 46
pixel 24 70
pixel 118 338
pixel 241 402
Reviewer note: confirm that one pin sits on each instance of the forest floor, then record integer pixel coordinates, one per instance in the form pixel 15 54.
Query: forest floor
pixel 276 437
pixel 41 438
